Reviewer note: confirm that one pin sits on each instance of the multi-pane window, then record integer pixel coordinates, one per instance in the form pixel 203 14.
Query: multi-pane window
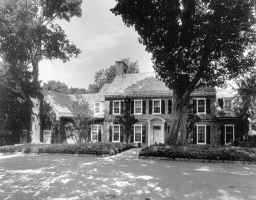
pixel 201 105
pixel 97 108
pixel 116 107
pixel 94 132
pixel 116 133
pixel 201 134
pixel 227 104
pixel 156 106
pixel 138 107
pixel 229 133
pixel 137 133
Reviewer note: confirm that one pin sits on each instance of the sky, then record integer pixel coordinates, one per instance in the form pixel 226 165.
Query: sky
pixel 103 39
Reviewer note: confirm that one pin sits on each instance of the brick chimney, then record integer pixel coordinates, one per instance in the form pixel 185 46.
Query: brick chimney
pixel 121 67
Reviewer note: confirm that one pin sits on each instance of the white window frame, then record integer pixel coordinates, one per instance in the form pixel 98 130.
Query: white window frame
pixel 113 109
pixel 137 125
pixel 113 132
pixel 229 125
pixel 197 100
pixel 201 125
pixel 98 128
pixel 134 109
pixel 95 108
pixel 153 106
pixel 224 103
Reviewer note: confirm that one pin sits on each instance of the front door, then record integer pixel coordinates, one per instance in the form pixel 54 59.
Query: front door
pixel 157 136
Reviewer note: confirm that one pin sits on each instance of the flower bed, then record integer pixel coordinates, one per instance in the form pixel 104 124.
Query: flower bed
pixel 88 148
pixel 200 152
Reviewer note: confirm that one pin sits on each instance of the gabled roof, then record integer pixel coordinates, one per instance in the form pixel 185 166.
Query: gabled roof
pixel 63 104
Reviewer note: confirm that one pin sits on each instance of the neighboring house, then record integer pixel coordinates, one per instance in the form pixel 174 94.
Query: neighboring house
pixel 66 108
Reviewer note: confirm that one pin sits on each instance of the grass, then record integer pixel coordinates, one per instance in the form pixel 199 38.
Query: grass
pixel 88 148
pixel 201 152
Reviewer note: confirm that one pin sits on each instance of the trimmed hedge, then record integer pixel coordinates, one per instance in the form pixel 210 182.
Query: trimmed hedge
pixel 200 152
pixel 88 148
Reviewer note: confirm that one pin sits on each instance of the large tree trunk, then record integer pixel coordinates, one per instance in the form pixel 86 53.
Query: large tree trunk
pixel 35 121
pixel 36 103
pixel 178 133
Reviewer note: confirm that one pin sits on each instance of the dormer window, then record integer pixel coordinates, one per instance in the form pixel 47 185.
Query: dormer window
pixel 116 107
pixel 157 106
pixel 137 107
pixel 201 106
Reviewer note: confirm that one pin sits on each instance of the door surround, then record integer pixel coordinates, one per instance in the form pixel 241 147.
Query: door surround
pixel 155 121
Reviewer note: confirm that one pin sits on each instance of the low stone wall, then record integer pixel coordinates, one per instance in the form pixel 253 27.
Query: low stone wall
pixel 200 153
pixel 88 148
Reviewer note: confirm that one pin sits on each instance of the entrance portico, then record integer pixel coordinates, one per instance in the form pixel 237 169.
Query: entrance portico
pixel 156 132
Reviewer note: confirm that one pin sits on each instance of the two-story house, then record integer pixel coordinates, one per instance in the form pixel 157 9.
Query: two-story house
pixel 150 102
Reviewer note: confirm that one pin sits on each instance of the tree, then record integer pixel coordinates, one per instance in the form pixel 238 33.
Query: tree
pixel 29 33
pixel 107 75
pixel 194 43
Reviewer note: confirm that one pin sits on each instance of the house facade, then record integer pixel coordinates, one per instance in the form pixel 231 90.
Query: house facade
pixel 138 108
pixel 147 100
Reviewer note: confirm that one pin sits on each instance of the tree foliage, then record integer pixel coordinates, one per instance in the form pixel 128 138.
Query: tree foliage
pixel 61 87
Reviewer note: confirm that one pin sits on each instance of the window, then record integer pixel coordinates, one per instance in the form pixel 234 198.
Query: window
pixel 95 132
pixel 229 133
pixel 137 133
pixel 227 104
pixel 116 133
pixel 97 108
pixel 201 133
pixel 116 107
pixel 138 107
pixel 201 106
pixel 157 106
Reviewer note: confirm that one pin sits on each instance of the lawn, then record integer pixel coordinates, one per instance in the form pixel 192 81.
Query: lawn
pixel 121 177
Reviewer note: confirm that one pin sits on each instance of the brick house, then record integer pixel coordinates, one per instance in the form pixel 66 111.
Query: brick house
pixel 150 102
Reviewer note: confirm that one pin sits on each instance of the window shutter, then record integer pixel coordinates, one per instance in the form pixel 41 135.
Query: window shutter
pixel 150 106
pixel 169 106
pixel 194 105
pixel 110 133
pixel 89 133
pixel 208 135
pixel 144 106
pixel 99 135
pixel 163 106
pixel 132 134
pixel 222 135
pixel 132 107
pixel 194 135
pixel 221 102
pixel 110 107
pixel 121 133
pixel 208 106
pixel 122 107
pixel 144 134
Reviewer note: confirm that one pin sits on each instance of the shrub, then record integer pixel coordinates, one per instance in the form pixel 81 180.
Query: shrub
pixel 88 148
